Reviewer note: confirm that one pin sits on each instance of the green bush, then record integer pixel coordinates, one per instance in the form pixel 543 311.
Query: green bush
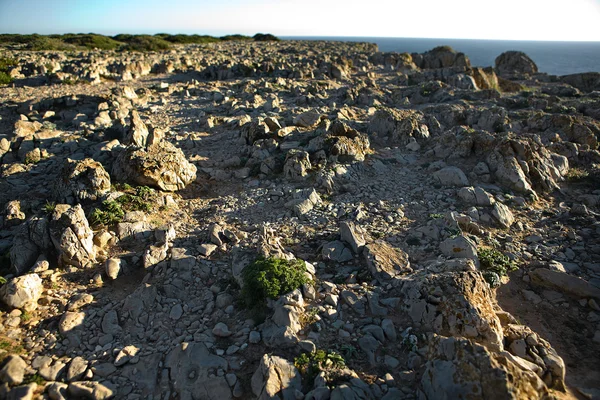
pixel 112 212
pixel 5 78
pixel 265 37
pixel 187 39
pixel 271 278
pixel 5 64
pixel 494 265
pixel 311 364
pixel 143 43
pixel 92 41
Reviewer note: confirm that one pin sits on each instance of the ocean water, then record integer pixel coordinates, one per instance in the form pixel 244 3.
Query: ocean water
pixel 555 58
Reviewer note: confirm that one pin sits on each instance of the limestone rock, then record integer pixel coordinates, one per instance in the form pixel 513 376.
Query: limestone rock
pixel 297 164
pixel 191 366
pixel 353 235
pixel 81 181
pixel 72 236
pixel 564 283
pixel 515 63
pixel 276 377
pixel 449 373
pixel 459 247
pixel 22 292
pixel 160 165
pixel 137 134
pixel 451 176
pixel 453 299
pixel 384 261
pixel 399 126
pixel 13 370
pixel 443 57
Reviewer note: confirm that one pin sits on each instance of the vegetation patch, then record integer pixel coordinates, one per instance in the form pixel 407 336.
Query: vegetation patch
pixel 5 64
pixel 270 278
pixel 8 347
pixel 311 364
pixel 140 198
pixel 494 265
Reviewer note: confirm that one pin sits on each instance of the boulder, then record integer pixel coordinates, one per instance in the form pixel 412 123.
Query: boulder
pixel 452 298
pixel 451 176
pixel 276 378
pixel 13 370
pixel 161 165
pixel 443 57
pixel 81 181
pixel 399 126
pixel 137 134
pixel 191 367
pixel 586 82
pixel 384 261
pixel 297 164
pixel 460 247
pixel 564 283
pixel 22 292
pixel 72 236
pixel 459 368
pixel 515 63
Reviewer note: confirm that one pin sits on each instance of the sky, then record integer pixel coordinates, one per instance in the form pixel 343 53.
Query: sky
pixel 569 20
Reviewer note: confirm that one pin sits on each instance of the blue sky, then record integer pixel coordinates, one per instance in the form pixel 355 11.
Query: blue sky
pixel 477 19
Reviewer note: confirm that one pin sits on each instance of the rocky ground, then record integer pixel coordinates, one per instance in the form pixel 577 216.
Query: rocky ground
pixel 447 217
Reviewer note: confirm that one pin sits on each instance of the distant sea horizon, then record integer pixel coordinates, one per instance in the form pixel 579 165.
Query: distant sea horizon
pixel 554 58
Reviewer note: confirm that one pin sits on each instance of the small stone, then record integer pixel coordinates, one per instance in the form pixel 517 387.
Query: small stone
pixel 254 337
pixel 13 370
pixel 221 330
pixel 113 267
pixel 176 312
pixel 207 249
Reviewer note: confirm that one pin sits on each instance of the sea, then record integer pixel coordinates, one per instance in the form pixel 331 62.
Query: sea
pixel 555 58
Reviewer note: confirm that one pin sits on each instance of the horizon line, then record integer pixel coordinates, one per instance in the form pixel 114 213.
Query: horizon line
pixel 312 37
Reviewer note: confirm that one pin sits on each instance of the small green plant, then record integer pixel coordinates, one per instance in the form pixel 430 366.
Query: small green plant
pixel 309 317
pixel 576 174
pixel 49 207
pixel 35 378
pixel 26 316
pixel 5 63
pixel 111 213
pixel 436 215
pixel 8 347
pixel 2 280
pixel 311 364
pixel 270 278
pixel 494 265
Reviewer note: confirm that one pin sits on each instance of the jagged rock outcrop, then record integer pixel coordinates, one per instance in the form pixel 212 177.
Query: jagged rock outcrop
pixel 81 181
pixel 512 63
pixel 457 366
pixel 398 126
pixel 160 165
pixel 72 236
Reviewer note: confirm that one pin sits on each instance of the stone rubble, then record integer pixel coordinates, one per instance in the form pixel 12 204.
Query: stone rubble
pixel 386 173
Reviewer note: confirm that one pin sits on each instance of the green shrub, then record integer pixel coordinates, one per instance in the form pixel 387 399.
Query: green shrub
pixel 5 64
pixel 235 37
pixel 92 41
pixel 143 43
pixel 494 265
pixel 265 37
pixel 5 78
pixel 311 364
pixel 271 278
pixel 140 198
pixel 187 39
pixel 111 213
